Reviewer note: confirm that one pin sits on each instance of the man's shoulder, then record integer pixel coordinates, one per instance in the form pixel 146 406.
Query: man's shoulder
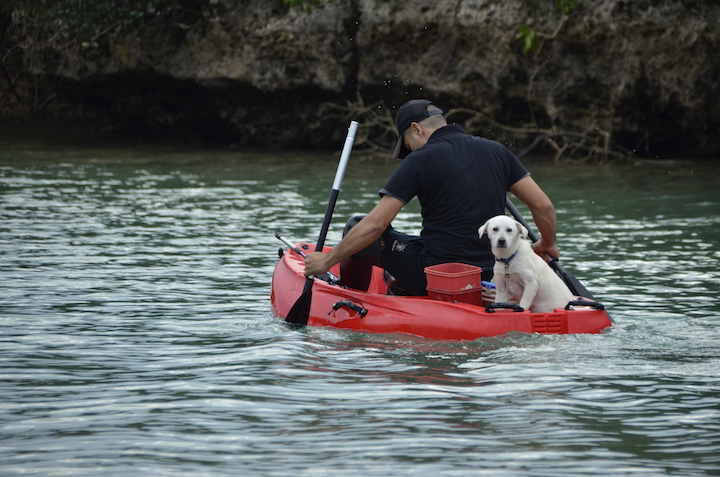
pixel 492 145
pixel 455 132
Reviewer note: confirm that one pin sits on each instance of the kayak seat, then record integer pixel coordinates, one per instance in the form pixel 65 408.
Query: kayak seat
pixel 393 289
pixel 356 270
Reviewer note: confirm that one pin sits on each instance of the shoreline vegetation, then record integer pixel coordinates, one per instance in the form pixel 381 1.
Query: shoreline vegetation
pixel 600 83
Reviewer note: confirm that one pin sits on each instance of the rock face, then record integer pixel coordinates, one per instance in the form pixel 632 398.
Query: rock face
pixel 640 74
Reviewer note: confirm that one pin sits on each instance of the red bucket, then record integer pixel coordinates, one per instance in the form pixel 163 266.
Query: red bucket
pixel 455 282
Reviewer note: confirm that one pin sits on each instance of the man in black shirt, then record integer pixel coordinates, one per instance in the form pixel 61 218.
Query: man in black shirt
pixel 460 181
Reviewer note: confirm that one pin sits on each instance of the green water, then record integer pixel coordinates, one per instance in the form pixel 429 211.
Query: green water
pixel 136 336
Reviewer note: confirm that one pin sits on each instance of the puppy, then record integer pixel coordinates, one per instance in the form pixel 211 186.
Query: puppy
pixel 521 276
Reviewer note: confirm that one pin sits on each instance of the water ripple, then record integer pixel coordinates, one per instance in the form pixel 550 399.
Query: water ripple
pixel 136 335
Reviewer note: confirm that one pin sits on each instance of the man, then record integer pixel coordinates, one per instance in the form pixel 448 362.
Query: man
pixel 460 181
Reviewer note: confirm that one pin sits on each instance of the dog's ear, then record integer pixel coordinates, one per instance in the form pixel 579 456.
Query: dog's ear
pixel 483 230
pixel 522 230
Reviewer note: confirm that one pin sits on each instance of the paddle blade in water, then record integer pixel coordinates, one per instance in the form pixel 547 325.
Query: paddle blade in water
pixel 300 311
pixel 572 283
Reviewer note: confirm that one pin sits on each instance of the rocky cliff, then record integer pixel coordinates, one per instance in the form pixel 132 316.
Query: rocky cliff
pixel 612 76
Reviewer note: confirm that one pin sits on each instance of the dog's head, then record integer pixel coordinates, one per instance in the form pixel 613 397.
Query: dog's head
pixel 504 234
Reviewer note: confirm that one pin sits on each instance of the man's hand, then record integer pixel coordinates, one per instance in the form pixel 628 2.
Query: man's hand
pixel 315 264
pixel 547 252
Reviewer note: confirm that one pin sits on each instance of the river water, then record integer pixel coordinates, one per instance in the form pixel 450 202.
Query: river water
pixel 136 336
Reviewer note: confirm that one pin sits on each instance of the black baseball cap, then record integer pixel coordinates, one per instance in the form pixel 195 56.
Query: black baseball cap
pixel 413 111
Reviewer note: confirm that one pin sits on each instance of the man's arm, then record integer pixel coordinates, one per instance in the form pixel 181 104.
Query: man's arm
pixel 369 229
pixel 543 212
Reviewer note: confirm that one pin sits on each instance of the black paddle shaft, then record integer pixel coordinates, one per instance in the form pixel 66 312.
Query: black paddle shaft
pixel 300 311
pixel 573 283
pixel 326 221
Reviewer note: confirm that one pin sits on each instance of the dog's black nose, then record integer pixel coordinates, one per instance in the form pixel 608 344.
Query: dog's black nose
pixel 501 242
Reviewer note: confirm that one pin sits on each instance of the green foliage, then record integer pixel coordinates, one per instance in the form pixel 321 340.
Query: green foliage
pixel 89 19
pixel 529 38
pixel 564 7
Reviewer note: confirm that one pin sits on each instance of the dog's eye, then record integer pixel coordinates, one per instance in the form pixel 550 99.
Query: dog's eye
pixel 509 230
pixel 495 229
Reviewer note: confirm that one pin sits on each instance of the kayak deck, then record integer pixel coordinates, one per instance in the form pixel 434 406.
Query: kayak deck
pixel 376 312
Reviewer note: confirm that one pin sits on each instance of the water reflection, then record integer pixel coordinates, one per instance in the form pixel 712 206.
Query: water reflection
pixel 137 333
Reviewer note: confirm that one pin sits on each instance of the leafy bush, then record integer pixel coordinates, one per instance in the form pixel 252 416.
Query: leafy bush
pixel 89 19
pixel 564 7
pixel 529 37
pixel 533 39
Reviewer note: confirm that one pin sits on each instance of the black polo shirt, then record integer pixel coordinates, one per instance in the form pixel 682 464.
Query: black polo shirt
pixel 461 181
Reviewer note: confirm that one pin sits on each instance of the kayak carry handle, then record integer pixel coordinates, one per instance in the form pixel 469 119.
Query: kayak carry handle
pixel 582 302
pixel 503 306
pixel 351 306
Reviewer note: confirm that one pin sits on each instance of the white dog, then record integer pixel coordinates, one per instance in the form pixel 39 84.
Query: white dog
pixel 521 276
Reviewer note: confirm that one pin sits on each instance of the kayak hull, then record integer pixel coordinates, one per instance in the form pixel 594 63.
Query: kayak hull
pixel 376 312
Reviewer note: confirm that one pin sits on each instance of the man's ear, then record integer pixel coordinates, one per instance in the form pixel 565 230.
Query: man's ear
pixel 416 129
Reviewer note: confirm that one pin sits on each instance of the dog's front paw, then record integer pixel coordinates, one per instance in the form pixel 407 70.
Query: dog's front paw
pixel 525 304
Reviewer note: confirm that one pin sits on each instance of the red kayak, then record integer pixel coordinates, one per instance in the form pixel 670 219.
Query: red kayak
pixel 455 314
